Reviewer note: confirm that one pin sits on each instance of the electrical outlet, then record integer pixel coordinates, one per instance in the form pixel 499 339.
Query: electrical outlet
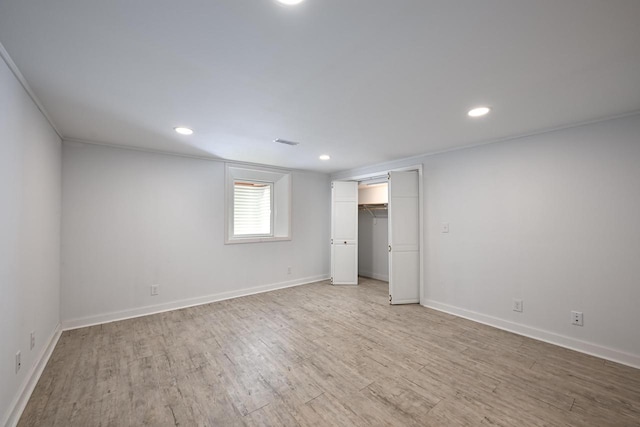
pixel 577 318
pixel 32 341
pixel 288 270
pixel 445 227
pixel 18 362
pixel 154 290
pixel 517 305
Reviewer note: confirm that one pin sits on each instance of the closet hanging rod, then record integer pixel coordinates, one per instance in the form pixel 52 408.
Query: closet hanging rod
pixel 376 206
pixel 371 208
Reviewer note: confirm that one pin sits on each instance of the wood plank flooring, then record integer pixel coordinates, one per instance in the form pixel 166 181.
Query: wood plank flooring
pixel 319 355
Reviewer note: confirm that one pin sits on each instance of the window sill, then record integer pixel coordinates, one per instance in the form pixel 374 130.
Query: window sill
pixel 256 240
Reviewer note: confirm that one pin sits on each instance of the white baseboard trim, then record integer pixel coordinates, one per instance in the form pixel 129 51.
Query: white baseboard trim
pixel 540 334
pixel 185 303
pixel 382 277
pixel 20 402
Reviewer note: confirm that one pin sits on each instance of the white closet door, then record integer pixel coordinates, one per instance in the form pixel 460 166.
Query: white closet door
pixel 404 238
pixel 344 233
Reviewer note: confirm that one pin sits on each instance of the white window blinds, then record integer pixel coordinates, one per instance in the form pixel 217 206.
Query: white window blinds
pixel 252 208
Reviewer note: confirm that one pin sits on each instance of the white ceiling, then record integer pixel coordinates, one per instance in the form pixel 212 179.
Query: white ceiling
pixel 362 80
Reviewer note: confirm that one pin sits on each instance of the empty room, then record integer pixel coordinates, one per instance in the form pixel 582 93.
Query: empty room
pixel 320 213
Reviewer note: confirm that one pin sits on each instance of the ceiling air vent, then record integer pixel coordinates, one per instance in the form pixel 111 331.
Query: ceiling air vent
pixel 284 141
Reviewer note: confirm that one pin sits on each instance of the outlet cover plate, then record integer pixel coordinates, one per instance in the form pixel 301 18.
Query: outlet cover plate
pixel 517 305
pixel 577 318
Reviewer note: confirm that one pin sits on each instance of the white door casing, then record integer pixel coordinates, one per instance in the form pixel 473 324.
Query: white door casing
pixel 344 233
pixel 404 237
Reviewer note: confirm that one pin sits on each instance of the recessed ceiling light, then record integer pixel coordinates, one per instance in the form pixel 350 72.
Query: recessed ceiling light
pixel 290 2
pixel 325 157
pixel 479 111
pixel 183 131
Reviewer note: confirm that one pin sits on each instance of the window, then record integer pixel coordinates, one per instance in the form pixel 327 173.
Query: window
pixel 258 204
pixel 252 208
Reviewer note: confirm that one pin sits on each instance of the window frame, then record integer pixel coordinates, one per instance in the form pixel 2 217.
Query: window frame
pixel 281 201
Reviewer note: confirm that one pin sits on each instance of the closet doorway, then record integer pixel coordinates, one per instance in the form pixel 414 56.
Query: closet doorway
pixel 373 229
pixel 376 232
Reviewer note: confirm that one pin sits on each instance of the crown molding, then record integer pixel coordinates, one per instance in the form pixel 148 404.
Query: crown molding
pixel 25 85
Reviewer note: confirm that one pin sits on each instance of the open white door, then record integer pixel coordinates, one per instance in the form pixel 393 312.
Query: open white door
pixel 344 233
pixel 404 238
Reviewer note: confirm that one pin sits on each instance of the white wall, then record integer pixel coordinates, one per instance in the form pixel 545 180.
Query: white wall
pixel 552 219
pixel 133 219
pixel 373 241
pixel 373 194
pixel 30 192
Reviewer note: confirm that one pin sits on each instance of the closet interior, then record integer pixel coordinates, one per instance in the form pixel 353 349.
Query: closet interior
pixel 373 230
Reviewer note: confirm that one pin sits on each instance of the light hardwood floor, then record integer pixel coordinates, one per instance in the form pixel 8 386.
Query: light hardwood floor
pixel 323 355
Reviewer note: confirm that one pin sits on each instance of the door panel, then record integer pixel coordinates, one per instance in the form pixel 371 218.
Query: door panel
pixel 345 270
pixel 344 233
pixel 405 277
pixel 345 227
pixel 404 238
